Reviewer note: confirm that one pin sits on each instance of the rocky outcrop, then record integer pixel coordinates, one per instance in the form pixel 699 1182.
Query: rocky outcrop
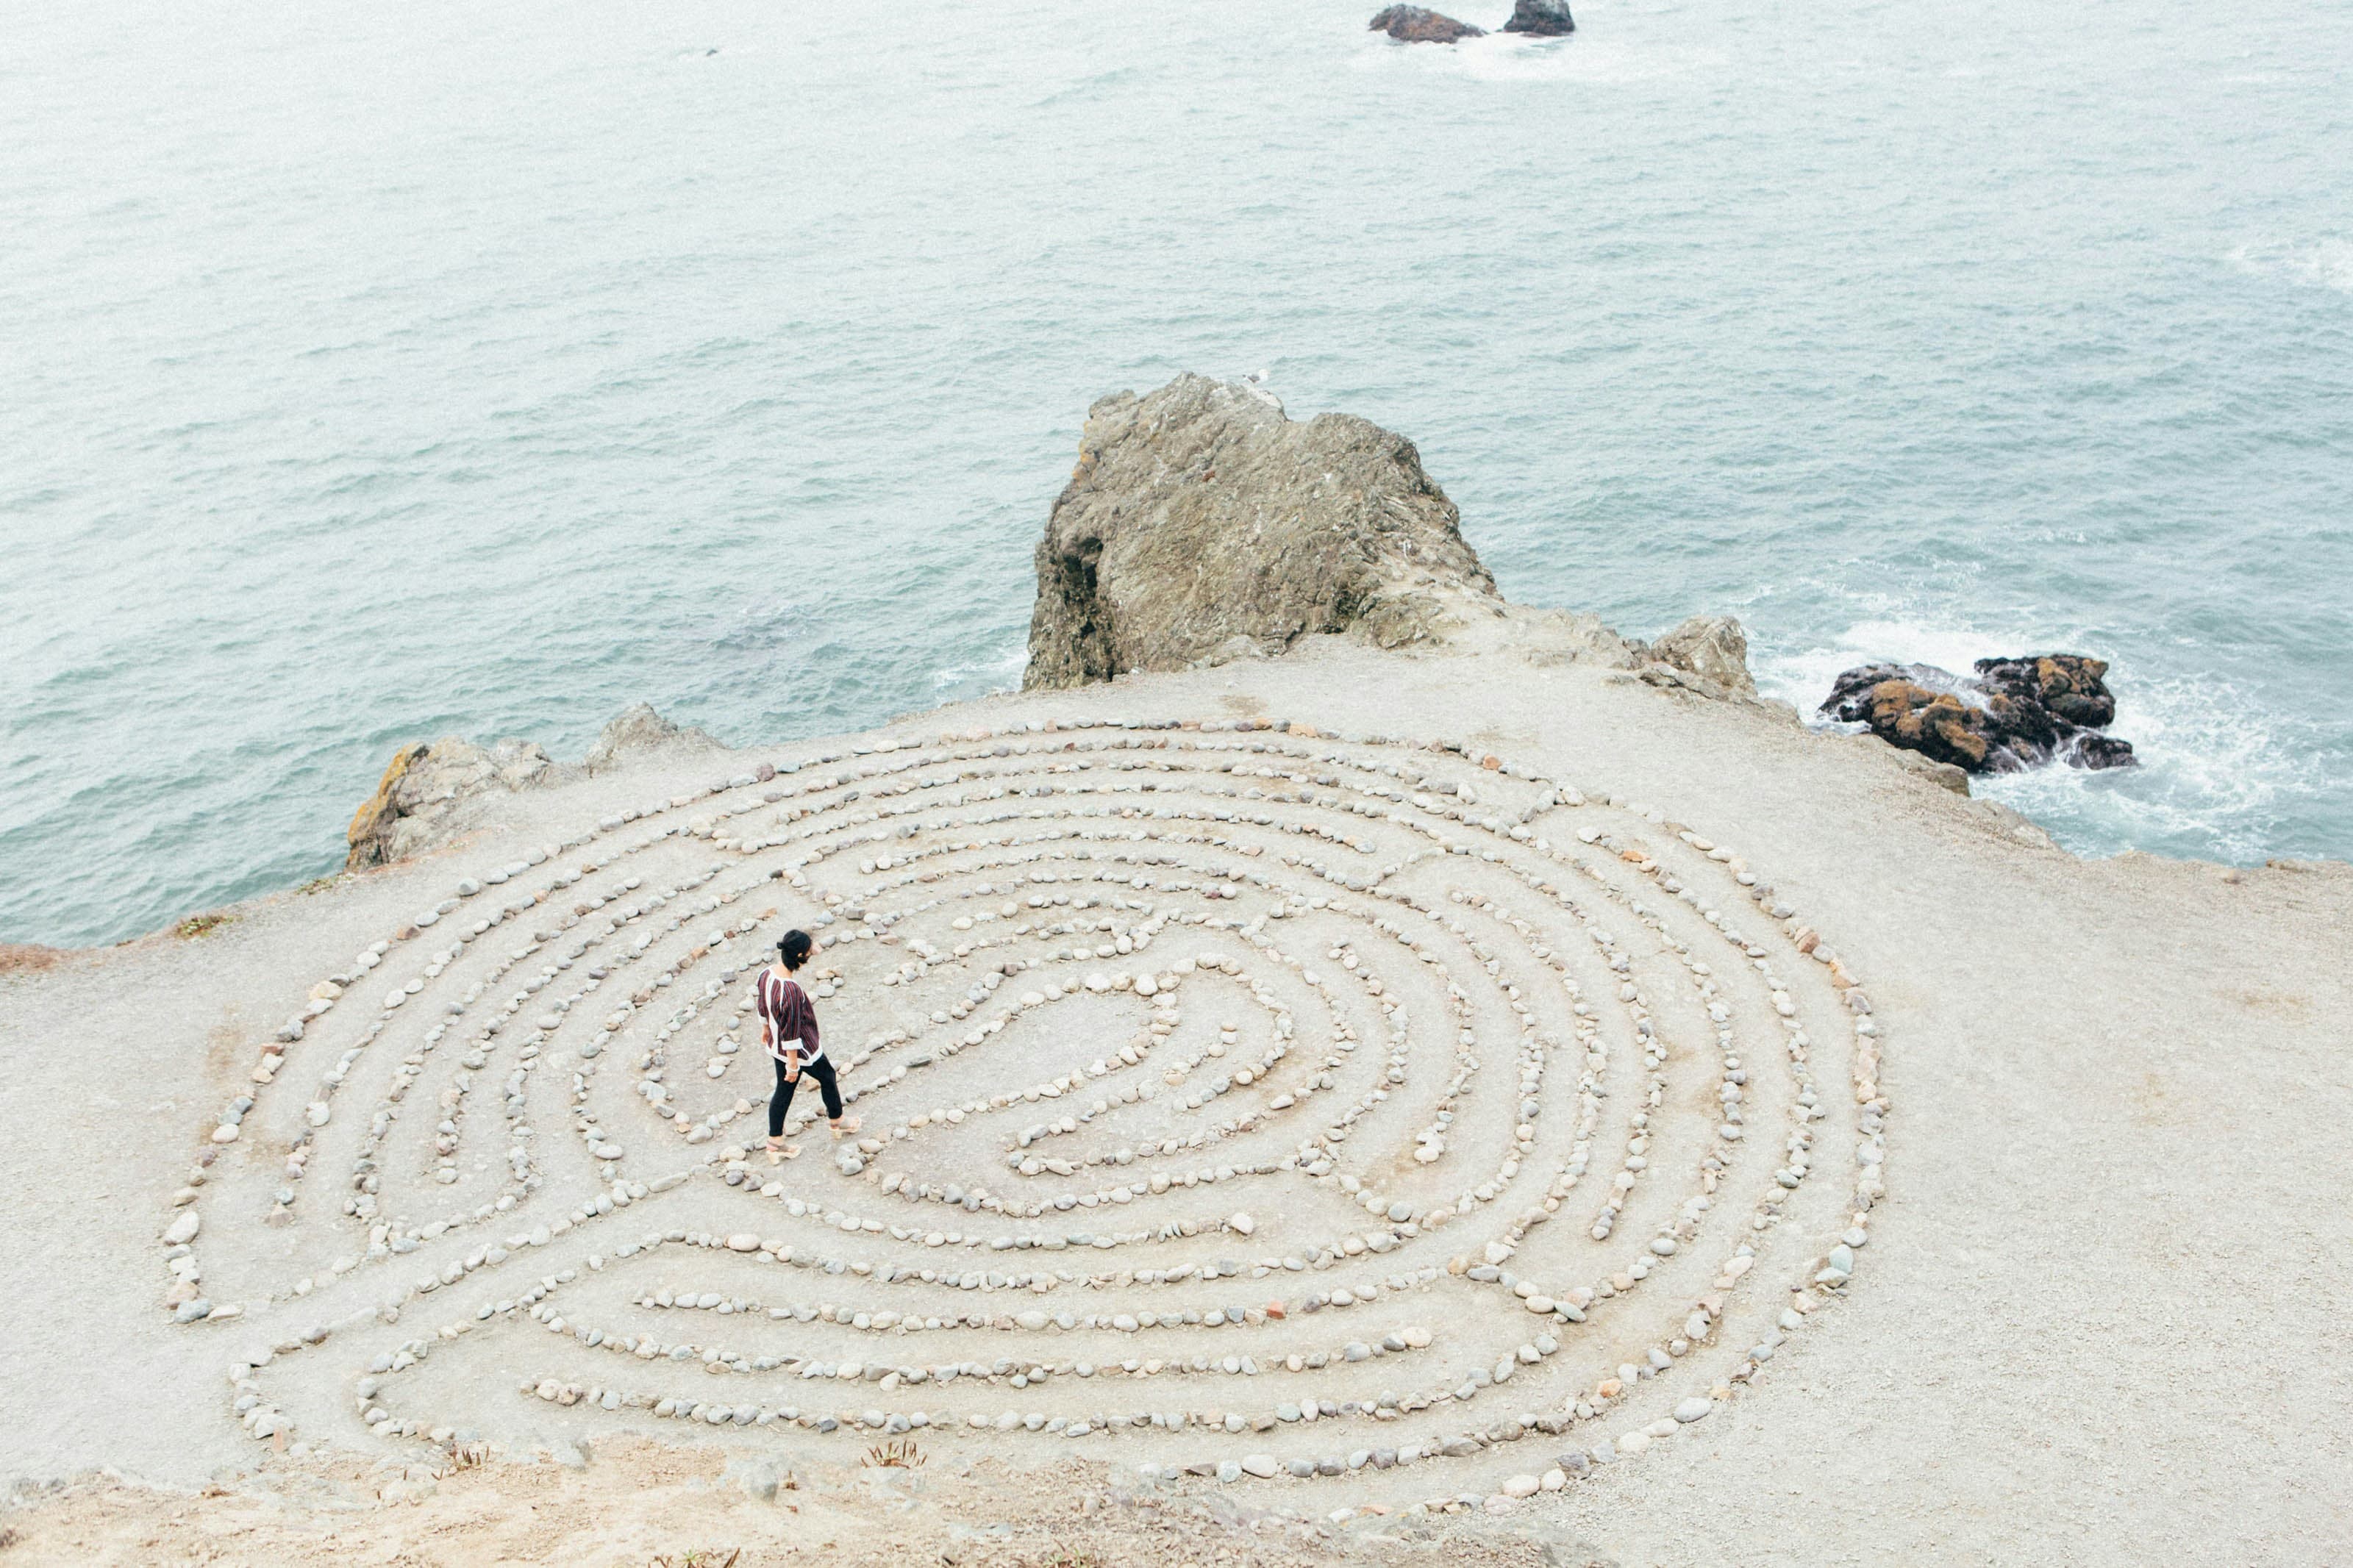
pixel 1713 648
pixel 1541 18
pixel 1203 524
pixel 2014 714
pixel 1417 25
pixel 433 791
pixel 429 792
pixel 640 729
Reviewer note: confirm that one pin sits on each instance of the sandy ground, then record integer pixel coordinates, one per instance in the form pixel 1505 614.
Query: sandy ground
pixel 641 1505
pixel 2102 1320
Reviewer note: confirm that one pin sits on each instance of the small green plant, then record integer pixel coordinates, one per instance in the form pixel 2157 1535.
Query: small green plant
pixel 195 926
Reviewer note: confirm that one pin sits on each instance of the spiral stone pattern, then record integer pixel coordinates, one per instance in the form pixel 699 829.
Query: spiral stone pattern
pixel 1237 1099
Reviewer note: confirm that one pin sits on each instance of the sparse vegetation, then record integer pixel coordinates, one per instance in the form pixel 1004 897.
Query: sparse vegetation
pixel 195 926
pixel 899 1453
pixel 696 1557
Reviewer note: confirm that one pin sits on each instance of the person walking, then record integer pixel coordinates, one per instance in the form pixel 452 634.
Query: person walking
pixel 788 1028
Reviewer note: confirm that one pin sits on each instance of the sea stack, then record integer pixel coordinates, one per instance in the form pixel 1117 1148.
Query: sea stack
pixel 1418 24
pixel 1202 524
pixel 1541 18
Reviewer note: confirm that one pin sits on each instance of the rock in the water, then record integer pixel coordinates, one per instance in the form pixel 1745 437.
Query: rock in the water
pixel 1420 25
pixel 2014 714
pixel 638 729
pixel 430 791
pixel 1199 515
pixel 1714 648
pixel 1541 18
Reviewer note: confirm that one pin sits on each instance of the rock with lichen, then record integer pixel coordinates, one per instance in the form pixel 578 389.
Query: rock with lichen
pixel 2011 715
pixel 1203 524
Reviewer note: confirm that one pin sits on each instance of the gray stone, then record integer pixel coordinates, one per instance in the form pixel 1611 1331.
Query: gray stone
pixel 432 790
pixel 1541 18
pixel 756 1477
pixel 1200 513
pixel 640 729
pixel 1262 1465
pixel 1714 648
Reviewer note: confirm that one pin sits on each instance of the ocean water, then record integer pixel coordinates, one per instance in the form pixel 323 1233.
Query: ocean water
pixel 377 372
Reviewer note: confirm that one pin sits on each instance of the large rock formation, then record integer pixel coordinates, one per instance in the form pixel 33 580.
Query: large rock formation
pixel 1417 25
pixel 1541 18
pixel 1714 648
pixel 429 786
pixel 640 729
pixel 433 791
pixel 1202 524
pixel 2016 713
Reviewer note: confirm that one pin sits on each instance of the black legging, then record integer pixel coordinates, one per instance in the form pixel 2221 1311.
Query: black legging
pixel 781 1101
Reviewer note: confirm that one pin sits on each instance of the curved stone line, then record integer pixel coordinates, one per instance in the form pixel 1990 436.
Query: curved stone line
pixel 1485 843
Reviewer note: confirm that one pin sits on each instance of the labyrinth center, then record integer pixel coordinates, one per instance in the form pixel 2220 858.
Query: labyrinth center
pixel 1236 1099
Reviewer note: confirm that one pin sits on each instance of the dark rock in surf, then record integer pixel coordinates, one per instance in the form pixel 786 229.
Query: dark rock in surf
pixel 1541 19
pixel 2014 714
pixel 1418 24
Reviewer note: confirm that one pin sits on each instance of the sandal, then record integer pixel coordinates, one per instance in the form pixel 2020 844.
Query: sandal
pixel 846 1126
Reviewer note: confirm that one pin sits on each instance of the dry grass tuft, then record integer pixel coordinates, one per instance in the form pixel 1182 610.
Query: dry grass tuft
pixel 899 1453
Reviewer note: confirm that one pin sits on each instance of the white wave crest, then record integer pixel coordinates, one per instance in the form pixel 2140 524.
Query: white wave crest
pixel 2325 264
pixel 994 672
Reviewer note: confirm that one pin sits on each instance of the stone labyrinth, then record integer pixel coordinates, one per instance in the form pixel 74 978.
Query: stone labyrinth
pixel 1238 1100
